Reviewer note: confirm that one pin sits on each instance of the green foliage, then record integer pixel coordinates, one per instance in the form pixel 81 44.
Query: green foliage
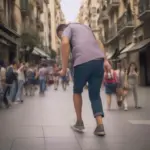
pixel 30 39
pixel 53 54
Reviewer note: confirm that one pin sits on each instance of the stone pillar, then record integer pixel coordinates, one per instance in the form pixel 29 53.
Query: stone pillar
pixel 1 11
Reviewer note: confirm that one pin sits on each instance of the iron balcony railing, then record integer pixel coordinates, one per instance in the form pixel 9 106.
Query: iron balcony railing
pixel 144 5
pixel 124 21
pixel 113 2
pixel 24 6
pixel 39 4
pixel 111 33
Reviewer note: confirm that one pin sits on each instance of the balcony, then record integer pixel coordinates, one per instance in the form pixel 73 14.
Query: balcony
pixel 2 20
pixel 46 1
pixel 39 4
pixel 113 5
pixel 144 10
pixel 24 6
pixel 125 24
pixel 49 14
pixel 39 25
pixel 103 16
pixel 111 34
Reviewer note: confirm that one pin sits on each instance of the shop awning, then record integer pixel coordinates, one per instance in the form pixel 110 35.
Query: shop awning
pixel 140 45
pixel 128 48
pixel 35 52
pixel 109 55
pixel 122 56
pixel 38 51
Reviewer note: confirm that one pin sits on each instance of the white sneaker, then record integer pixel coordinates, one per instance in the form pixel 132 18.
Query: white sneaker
pixel 125 109
pixel 16 102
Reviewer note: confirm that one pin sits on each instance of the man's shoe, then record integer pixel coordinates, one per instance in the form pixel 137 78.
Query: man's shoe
pixel 138 107
pixel 78 127
pixel 99 131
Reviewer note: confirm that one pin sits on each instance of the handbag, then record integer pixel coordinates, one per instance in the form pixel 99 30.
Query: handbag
pixel 121 92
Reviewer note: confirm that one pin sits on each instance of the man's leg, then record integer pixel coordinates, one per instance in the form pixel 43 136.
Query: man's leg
pixel 77 98
pixel 80 79
pixel 95 81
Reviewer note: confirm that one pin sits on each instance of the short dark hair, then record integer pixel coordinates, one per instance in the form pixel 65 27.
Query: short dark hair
pixel 13 62
pixel 61 27
pixel 132 63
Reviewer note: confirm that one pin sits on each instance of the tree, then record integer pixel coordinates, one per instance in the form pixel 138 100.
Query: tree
pixel 29 39
pixel 53 54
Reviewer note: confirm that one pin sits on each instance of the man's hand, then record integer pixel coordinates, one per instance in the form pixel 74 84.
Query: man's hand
pixel 107 65
pixel 62 72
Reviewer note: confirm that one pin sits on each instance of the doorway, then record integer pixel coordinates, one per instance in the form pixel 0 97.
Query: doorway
pixel 12 56
pixel 145 67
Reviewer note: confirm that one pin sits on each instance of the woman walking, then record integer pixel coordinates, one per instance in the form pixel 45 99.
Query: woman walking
pixel 110 82
pixel 56 76
pixel 21 81
pixel 42 78
pixel 121 89
pixel 132 83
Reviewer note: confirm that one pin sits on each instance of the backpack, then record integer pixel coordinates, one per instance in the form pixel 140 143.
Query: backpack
pixel 10 76
pixel 30 75
pixel 111 78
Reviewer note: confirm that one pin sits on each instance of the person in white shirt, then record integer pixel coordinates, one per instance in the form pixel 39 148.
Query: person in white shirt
pixel 21 81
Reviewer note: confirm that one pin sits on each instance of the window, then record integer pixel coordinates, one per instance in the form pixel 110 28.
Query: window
pixel 93 10
pixel 94 23
pixel 140 38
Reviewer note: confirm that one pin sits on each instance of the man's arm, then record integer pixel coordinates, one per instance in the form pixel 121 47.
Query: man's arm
pixel 101 45
pixel 65 50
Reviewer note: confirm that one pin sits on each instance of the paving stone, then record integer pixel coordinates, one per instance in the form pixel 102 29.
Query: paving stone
pixel 62 143
pixel 29 144
pixel 5 143
pixel 57 131
pixel 46 121
pixel 21 132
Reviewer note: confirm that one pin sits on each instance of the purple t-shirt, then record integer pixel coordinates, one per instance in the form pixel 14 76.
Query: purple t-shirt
pixel 84 45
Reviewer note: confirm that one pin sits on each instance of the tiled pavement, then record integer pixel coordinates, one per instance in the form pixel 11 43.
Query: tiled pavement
pixel 43 123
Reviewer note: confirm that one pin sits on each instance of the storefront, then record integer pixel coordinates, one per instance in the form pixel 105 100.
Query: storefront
pixel 8 44
pixel 124 55
pixel 37 55
pixel 141 55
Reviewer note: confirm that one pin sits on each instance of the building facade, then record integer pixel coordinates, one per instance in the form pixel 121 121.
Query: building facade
pixel 89 15
pixel 19 16
pixel 123 27
pixel 57 17
pixel 126 35
pixel 9 29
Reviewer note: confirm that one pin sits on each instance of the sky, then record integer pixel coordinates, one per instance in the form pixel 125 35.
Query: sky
pixel 70 9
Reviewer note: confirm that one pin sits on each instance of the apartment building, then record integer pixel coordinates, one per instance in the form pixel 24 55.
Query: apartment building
pixel 89 15
pixel 83 16
pixel 142 48
pixel 45 30
pixel 126 35
pixel 122 31
pixel 9 29
pixel 57 17
pixel 19 16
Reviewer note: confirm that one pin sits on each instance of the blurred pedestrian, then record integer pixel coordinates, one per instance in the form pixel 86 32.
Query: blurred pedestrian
pixel 42 78
pixel 21 81
pixel 56 76
pixel 132 84
pixel 110 82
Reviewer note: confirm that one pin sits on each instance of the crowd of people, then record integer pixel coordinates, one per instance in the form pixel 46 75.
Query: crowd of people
pixel 122 82
pixel 23 79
